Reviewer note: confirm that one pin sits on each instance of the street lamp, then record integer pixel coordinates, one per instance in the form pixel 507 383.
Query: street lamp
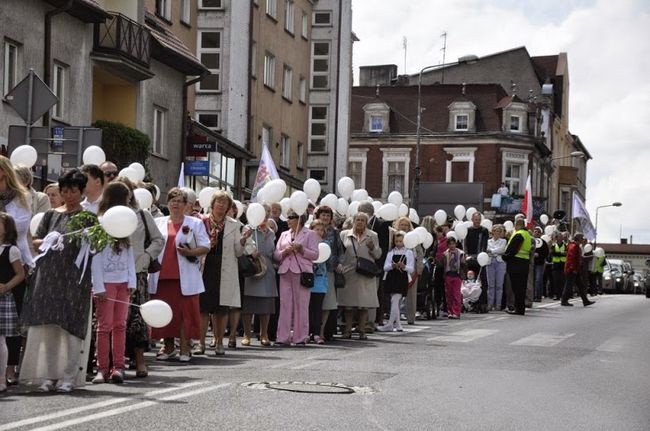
pixel 615 204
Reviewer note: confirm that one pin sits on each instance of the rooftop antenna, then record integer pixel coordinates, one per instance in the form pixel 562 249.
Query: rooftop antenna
pixel 377 90
pixel 444 53
pixel 463 88
pixel 404 45
pixel 513 88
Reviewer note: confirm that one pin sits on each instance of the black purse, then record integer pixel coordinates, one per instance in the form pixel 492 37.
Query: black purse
pixel 306 278
pixel 339 280
pixel 154 264
pixel 247 265
pixel 365 267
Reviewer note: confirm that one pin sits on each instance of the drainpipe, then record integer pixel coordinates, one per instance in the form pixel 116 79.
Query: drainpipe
pixel 338 85
pixel 47 57
pixel 184 122
pixel 249 134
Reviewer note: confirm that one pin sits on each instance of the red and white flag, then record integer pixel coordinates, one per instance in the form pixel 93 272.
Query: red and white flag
pixel 527 207
pixel 266 172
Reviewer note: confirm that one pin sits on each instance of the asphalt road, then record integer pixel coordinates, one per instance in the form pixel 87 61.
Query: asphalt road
pixel 557 368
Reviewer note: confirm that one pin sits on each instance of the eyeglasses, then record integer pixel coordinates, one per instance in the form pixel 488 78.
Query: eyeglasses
pixel 293 217
pixel 176 202
pixel 111 174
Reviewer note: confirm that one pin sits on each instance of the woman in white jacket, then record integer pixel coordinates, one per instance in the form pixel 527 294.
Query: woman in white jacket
pixel 179 282
pixel 496 270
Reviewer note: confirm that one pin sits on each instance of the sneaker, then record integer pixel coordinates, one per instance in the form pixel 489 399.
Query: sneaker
pixel 65 387
pixel 184 357
pixel 398 329
pixel 99 378
pixel 46 386
pixel 166 356
pixel 117 376
pixel 219 350
pixel 318 340
pixel 386 328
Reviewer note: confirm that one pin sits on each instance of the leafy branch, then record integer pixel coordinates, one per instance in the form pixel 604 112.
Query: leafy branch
pixel 85 226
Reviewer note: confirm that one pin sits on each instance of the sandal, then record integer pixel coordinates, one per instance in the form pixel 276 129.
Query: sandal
pixel 346 335
pixel 142 373
pixel 265 342
pixel 246 341
pixel 232 344
pixel 199 350
pixel 363 336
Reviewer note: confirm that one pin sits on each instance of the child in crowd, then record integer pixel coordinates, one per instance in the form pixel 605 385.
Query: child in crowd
pixel 454 259
pixel 398 267
pixel 471 290
pixel 113 272
pixel 12 273
pixel 319 290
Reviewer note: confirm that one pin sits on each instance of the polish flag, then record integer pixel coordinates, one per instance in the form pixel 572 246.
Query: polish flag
pixel 527 207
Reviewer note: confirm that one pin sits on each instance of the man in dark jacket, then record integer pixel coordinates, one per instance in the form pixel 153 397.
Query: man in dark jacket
pixel 541 253
pixel 517 257
pixel 475 243
pixel 572 269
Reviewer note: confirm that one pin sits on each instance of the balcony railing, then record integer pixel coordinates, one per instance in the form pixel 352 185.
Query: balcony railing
pixel 513 205
pixel 122 36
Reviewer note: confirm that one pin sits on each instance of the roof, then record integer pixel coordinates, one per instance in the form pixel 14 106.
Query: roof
pixel 545 67
pixel 224 145
pixel 86 10
pixel 626 248
pixel 435 103
pixel 170 50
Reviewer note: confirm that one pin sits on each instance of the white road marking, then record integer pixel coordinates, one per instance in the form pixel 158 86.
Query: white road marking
pixel 120 410
pixel 98 405
pixel 614 344
pixel 542 339
pixel 465 336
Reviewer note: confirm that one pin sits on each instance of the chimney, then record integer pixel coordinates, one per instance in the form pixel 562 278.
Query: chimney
pixel 623 240
pixel 383 75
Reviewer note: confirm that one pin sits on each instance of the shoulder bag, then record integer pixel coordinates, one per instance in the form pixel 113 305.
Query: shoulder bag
pixel 365 267
pixel 154 265
pixel 306 278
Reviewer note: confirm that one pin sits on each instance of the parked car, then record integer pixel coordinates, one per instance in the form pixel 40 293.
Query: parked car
pixel 615 277
pixel 638 284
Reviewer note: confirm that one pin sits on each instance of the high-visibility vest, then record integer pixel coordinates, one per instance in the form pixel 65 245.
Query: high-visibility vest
pixel 599 264
pixel 559 249
pixel 526 245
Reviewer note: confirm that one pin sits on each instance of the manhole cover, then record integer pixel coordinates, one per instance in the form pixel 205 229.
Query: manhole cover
pixel 310 387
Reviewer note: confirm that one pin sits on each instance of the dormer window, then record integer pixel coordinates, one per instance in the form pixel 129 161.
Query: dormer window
pixel 515 123
pixel 376 118
pixel 376 124
pixel 462 122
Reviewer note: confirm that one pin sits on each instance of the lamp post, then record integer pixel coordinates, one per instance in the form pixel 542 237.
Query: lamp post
pixel 615 204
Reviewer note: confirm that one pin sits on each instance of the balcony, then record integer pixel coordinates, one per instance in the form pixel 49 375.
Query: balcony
pixel 123 46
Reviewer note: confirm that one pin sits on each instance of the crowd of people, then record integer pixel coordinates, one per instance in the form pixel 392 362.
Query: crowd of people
pixel 67 312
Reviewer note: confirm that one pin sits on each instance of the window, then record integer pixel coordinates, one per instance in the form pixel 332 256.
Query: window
pixel 209 119
pixel 305 25
pixel 267 135
pixel 512 177
pixel 159 115
pixel 185 11
pixel 303 90
pixel 514 168
pixel 396 177
pixel 320 56
pixel 10 72
pixel 287 81
pixel 355 171
pixel 59 88
pixel 322 18
pixel 210 55
pixel 376 123
pixel 300 154
pixel 288 16
pixel 515 123
pixel 462 122
pixel 318 129
pixel 269 70
pixel 164 9
pixel 210 4
pixel 254 59
pixel 285 151
pixel 272 8
pixel 319 175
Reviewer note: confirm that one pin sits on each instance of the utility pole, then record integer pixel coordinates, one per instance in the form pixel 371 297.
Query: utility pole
pixel 444 54
pixel 404 45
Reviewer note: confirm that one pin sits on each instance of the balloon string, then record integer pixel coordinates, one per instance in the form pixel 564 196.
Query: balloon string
pixel 122 302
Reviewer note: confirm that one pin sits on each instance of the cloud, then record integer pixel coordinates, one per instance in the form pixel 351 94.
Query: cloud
pixel 608 46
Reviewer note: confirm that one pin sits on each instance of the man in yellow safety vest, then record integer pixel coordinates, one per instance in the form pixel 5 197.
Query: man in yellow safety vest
pixel 517 257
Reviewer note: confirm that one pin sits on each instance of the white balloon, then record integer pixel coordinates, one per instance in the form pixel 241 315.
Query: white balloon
pixel 468 224
pixel 255 214
pixel 205 196
pixel 359 195
pixel 459 212
pixel 139 169
pixel 395 198
pixel 119 221
pixel 548 230
pixel 342 206
pixel 345 187
pixel 461 231
pixel 157 192
pixel 388 212
pixel 422 233
pixel 285 203
pixel 94 155
pixel 274 191
pixel 546 238
pixel 543 218
pixel 353 208
pixel 441 217
pixel 487 223
pixel 376 205
pixel 131 174
pixel 299 202
pixel 411 239
pixel 324 252
pixel 428 241
pixel 156 313
pixel 33 225
pixel 599 252
pixel 413 216
pixel 452 234
pixel 261 197
pixel 330 200
pixel 483 258
pixel 509 226
pixel 588 248
pixel 470 212
pixel 24 155
pixel 312 188
pixel 539 242
pixel 403 210
pixel 240 208
pixel 144 198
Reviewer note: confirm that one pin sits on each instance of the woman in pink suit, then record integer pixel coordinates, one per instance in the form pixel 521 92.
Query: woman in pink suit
pixel 295 251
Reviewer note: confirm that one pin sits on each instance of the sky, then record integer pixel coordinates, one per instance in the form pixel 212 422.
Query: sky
pixel 608 48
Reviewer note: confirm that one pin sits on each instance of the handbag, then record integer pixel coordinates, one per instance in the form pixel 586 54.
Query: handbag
pixel 339 280
pixel 248 265
pixel 154 264
pixel 306 278
pixel 365 267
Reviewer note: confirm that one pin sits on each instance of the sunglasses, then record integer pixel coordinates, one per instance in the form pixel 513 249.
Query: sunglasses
pixel 293 217
pixel 111 174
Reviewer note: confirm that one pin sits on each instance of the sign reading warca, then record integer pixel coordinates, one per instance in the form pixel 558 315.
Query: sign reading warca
pixel 198 146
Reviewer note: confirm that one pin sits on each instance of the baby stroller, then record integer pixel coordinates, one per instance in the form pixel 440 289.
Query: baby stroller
pixel 426 304
pixel 471 291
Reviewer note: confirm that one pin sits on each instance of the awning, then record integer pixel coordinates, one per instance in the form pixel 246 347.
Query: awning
pixel 86 10
pixel 225 146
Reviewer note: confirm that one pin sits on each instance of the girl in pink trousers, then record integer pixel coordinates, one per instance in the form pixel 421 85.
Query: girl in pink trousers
pixel 454 259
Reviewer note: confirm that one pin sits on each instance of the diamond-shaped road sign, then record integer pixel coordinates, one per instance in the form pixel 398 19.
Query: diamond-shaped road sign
pixel 42 98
